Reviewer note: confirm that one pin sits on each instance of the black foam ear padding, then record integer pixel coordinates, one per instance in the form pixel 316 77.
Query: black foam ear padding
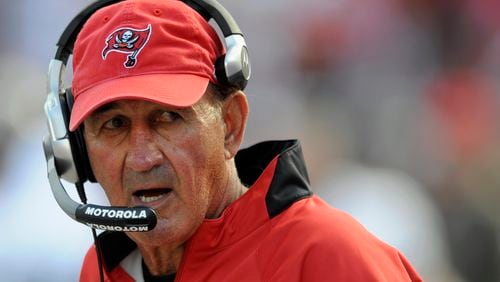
pixel 78 146
pixel 220 70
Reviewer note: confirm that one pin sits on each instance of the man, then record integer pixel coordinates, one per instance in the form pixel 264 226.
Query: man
pixel 161 131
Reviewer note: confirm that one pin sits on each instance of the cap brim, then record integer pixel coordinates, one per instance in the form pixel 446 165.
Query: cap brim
pixel 178 90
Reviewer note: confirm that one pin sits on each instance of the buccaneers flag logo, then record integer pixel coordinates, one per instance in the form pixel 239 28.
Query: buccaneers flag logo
pixel 129 41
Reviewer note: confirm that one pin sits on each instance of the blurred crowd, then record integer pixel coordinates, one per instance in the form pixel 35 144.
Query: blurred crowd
pixel 395 103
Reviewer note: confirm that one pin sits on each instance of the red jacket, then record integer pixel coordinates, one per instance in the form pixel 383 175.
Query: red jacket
pixel 277 231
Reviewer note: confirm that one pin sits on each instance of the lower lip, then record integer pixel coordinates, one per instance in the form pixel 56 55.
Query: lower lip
pixel 136 201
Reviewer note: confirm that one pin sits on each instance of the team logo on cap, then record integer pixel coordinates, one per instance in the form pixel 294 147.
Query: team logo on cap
pixel 129 41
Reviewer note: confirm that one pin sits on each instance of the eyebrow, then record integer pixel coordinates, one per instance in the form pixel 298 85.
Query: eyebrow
pixel 116 104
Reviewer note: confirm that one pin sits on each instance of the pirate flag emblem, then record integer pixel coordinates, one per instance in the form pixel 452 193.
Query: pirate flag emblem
pixel 129 41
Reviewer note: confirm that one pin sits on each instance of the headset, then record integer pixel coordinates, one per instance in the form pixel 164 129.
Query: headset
pixel 65 151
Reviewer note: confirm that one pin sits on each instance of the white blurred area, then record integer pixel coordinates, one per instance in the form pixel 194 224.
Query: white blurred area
pixel 395 102
pixel 38 241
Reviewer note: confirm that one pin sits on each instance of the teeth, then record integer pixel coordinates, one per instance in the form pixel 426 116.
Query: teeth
pixel 146 199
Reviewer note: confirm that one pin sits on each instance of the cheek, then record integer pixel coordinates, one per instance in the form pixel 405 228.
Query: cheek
pixel 107 168
pixel 204 170
pixel 206 152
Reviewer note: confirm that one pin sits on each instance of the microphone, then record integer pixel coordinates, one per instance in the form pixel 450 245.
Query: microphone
pixel 133 219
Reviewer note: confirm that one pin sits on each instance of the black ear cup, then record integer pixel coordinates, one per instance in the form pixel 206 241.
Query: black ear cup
pixel 242 70
pixel 77 141
pixel 239 66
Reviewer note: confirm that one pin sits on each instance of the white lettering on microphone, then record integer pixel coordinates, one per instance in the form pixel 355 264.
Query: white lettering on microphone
pixel 118 228
pixel 110 213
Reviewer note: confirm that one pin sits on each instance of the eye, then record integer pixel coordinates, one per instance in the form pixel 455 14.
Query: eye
pixel 115 123
pixel 167 117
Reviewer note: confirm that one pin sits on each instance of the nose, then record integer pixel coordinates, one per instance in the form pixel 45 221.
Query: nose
pixel 144 153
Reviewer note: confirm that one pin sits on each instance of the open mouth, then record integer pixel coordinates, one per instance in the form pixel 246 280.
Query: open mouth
pixel 152 195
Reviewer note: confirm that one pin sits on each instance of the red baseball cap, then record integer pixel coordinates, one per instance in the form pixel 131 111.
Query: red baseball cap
pixel 158 51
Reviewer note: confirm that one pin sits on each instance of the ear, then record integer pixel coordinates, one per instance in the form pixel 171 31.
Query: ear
pixel 234 113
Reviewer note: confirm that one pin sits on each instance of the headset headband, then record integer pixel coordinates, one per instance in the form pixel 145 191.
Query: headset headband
pixel 209 9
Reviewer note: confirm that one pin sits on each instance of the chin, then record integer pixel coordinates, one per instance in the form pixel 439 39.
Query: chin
pixel 163 234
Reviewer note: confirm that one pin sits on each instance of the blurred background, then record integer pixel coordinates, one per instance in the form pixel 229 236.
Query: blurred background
pixel 396 103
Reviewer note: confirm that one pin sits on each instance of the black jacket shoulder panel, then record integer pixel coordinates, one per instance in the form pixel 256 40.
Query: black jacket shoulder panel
pixel 290 182
pixel 115 246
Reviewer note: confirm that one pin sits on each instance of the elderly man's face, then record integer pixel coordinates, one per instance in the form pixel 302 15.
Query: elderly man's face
pixel 172 160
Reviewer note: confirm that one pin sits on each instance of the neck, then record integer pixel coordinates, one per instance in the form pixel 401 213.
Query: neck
pixel 160 261
pixel 232 190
